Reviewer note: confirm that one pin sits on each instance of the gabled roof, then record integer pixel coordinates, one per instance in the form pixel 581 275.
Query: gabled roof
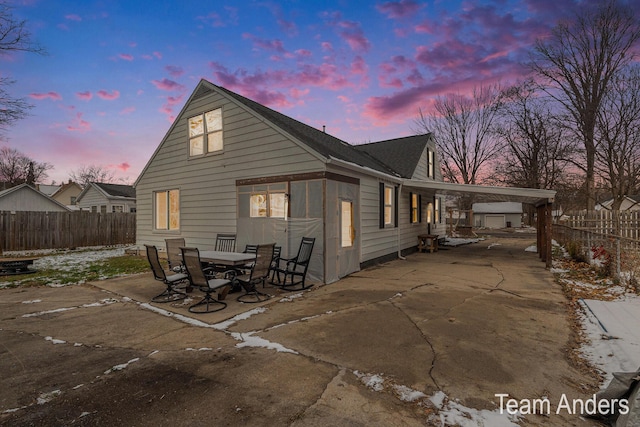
pixel 401 154
pixel 319 141
pixel 66 186
pixel 110 190
pixel 27 187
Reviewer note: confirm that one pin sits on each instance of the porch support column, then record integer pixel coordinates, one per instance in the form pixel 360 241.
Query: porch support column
pixel 549 233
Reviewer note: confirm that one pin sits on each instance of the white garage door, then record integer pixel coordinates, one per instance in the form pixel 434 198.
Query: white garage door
pixel 494 221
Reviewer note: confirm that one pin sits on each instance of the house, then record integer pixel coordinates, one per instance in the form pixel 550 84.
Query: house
pixel 230 165
pixel 497 214
pixel 68 194
pixel 107 198
pixel 47 189
pixel 26 198
pixel 629 203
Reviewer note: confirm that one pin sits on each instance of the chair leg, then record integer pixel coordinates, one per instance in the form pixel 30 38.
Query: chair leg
pixel 208 304
pixel 170 294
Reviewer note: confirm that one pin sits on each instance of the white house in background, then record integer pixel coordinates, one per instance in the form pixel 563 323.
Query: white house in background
pixel 26 198
pixel 68 194
pixel 497 214
pixel 107 198
pixel 630 203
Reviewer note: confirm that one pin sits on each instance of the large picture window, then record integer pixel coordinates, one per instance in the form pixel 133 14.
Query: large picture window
pixel 205 133
pixel 167 210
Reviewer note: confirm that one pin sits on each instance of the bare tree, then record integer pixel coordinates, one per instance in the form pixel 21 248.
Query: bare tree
pixel 461 128
pixel 536 153
pixel 17 168
pixel 92 173
pixel 618 136
pixel 14 37
pixel 579 60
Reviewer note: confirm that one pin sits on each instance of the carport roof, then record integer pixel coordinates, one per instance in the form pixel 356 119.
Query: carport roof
pixel 486 193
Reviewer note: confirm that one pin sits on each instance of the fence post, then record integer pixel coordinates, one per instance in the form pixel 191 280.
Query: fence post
pixel 618 267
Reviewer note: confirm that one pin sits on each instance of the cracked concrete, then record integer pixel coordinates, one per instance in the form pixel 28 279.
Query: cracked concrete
pixel 470 322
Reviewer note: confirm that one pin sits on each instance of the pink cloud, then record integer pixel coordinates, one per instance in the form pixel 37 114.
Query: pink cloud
pixel 354 36
pixel 128 110
pixel 54 96
pixel 73 17
pixel 79 124
pixel 125 56
pixel 212 19
pixel 269 45
pixel 123 166
pixel 84 96
pixel 103 94
pixel 303 53
pixel 400 9
pixel 326 46
pixel 168 85
pixel 167 107
pixel 174 70
pixel 157 55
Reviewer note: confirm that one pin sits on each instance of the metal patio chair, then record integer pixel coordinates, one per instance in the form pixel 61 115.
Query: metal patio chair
pixel 258 274
pixel 205 280
pixel 174 255
pixel 226 242
pixel 295 269
pixel 171 293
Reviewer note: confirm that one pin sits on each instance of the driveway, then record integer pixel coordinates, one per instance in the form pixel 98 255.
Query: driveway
pixel 436 338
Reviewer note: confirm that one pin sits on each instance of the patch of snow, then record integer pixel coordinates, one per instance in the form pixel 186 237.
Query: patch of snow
pixel 532 248
pixel 121 366
pixel 32 301
pixel 407 394
pixel 374 381
pixel 455 414
pixel 48 397
pixel 290 298
pixel 55 341
pixel 248 340
pixel 494 244
pixel 242 316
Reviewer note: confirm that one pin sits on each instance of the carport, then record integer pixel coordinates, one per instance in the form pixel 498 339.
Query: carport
pixel 541 199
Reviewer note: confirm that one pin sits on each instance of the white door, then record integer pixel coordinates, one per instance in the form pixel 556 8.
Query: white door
pixel 348 247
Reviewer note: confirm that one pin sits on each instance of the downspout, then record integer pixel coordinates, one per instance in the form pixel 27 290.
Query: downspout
pixel 398 228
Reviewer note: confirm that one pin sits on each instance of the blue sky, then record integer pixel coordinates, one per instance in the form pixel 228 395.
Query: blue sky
pixel 118 72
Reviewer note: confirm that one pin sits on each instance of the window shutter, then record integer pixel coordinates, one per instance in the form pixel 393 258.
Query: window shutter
pixel 419 207
pixel 382 205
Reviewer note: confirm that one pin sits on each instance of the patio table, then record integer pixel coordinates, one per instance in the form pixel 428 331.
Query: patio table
pixel 11 266
pixel 231 259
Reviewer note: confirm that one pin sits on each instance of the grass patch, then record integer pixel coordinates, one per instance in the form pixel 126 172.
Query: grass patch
pixel 67 273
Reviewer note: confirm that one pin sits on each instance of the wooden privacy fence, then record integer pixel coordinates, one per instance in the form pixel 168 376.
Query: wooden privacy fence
pixel 20 231
pixel 611 237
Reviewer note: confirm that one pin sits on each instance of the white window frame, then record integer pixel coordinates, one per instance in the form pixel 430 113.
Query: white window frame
pixel 389 207
pixel 205 133
pixel 166 220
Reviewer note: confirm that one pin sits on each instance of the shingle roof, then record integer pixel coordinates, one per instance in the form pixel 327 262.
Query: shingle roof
pixel 400 154
pixel 117 190
pixel 319 141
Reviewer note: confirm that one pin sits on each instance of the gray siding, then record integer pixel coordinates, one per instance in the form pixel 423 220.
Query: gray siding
pixel 93 197
pixel 28 200
pixel 252 149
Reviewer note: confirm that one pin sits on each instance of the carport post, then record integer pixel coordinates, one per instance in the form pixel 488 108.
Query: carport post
pixel 549 232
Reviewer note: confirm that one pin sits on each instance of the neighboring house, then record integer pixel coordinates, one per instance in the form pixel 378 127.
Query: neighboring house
pixel 231 165
pixel 68 194
pixel 497 214
pixel 630 203
pixel 47 189
pixel 26 198
pixel 107 198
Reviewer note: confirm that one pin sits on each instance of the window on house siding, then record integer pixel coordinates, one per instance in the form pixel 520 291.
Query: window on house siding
pixel 388 206
pixel 415 201
pixel 103 209
pixel 436 214
pixel 431 170
pixel 347 230
pixel 73 200
pixel 117 208
pixel 262 201
pixel 167 210
pixel 205 133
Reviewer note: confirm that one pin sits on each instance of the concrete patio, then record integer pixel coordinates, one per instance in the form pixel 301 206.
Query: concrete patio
pixel 463 324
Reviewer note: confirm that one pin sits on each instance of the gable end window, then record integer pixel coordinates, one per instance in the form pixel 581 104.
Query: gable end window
pixel 205 133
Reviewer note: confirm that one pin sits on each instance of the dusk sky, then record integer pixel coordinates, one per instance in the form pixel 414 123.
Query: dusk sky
pixel 118 72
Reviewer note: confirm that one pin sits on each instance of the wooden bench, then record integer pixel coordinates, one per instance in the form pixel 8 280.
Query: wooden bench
pixel 11 266
pixel 428 242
